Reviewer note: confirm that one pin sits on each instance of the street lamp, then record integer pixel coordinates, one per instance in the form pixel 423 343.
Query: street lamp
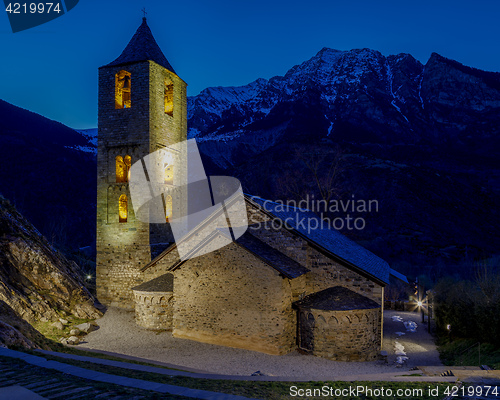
pixel 420 305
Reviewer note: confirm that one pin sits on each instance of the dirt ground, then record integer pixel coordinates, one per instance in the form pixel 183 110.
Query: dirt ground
pixel 118 333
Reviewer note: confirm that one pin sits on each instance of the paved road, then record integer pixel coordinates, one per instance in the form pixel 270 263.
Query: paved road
pixel 419 346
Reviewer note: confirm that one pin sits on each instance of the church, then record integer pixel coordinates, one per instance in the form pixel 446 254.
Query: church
pixel 272 290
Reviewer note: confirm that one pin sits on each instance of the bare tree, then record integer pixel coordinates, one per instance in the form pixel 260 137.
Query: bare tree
pixel 318 172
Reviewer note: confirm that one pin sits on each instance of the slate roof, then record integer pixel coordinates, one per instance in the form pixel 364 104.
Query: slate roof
pixel 279 261
pixel 327 238
pixel 164 283
pixel 336 298
pixel 142 47
pixel 398 275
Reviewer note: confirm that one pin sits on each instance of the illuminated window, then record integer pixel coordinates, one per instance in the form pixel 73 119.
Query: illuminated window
pixel 123 208
pixel 169 97
pixel 128 163
pixel 123 84
pixel 121 170
pixel 168 207
pixel 169 174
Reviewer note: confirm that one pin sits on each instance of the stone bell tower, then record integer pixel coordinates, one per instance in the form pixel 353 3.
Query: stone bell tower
pixel 142 108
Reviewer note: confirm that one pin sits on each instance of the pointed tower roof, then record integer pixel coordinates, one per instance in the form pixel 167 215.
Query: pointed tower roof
pixel 142 47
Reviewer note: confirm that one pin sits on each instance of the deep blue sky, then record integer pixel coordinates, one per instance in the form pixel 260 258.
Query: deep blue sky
pixel 52 69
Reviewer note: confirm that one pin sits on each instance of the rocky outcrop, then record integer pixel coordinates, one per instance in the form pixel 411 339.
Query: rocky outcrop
pixel 14 331
pixel 37 281
pixel 10 336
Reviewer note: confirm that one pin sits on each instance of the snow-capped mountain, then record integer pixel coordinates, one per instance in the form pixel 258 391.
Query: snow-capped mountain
pixel 355 96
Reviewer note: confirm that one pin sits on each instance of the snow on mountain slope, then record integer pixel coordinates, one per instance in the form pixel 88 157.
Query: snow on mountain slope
pixel 352 96
pixel 91 136
pixel 217 99
pixel 356 76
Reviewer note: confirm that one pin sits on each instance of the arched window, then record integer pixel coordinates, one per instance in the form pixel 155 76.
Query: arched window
pixel 168 208
pixel 121 170
pixel 123 208
pixel 169 97
pixel 169 174
pixel 123 165
pixel 128 163
pixel 123 85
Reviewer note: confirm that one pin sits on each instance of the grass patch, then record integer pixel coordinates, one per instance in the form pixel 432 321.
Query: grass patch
pixel 467 352
pixel 52 333
pixel 257 389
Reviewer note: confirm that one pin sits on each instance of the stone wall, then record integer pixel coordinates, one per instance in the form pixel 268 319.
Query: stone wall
pixel 161 266
pixel 154 310
pixel 232 298
pixel 123 248
pixel 325 272
pixel 344 335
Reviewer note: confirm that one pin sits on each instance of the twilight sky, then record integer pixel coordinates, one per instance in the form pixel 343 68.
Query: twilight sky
pixel 52 69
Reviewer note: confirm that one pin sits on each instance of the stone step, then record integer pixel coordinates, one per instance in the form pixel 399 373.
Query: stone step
pixel 40 383
pixel 113 396
pixel 56 387
pixel 25 379
pixel 7 383
pixel 87 395
pixel 106 395
pixel 67 393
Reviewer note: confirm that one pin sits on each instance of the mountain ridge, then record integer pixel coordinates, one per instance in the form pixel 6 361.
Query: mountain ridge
pixel 396 85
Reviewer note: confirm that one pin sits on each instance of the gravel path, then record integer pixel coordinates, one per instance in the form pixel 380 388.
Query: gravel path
pixel 118 333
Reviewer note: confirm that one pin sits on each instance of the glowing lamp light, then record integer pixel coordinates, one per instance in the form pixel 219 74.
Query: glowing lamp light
pixel 419 304
pixel 448 327
pixel 89 277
